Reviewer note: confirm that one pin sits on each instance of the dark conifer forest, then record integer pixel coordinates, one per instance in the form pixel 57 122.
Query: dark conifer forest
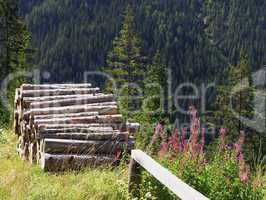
pixel 197 39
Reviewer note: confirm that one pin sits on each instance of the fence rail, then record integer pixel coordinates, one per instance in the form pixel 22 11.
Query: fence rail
pixel 140 159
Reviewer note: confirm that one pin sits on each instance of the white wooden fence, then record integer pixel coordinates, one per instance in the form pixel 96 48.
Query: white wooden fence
pixel 140 159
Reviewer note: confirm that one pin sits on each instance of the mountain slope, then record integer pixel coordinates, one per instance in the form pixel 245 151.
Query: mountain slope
pixel 197 39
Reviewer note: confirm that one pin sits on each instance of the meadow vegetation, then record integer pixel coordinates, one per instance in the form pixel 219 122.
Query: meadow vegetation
pixel 21 181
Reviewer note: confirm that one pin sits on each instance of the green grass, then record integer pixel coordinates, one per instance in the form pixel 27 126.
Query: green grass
pixel 21 181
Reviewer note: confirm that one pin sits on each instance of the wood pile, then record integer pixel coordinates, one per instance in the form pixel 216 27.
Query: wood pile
pixel 69 126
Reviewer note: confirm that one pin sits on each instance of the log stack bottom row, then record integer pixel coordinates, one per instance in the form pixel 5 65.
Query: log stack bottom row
pixel 70 126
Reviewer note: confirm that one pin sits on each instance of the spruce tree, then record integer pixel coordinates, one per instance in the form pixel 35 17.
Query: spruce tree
pixel 235 101
pixel 235 97
pixel 155 88
pixel 125 63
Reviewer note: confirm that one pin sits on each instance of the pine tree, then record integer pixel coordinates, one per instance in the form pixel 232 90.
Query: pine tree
pixel 236 97
pixel 155 88
pixel 125 63
pixel 235 101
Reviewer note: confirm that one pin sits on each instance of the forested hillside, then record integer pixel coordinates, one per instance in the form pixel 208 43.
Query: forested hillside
pixel 197 39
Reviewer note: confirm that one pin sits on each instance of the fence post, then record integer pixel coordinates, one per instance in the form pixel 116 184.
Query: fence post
pixel 134 175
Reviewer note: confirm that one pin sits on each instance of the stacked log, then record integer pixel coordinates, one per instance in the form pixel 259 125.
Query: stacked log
pixel 69 126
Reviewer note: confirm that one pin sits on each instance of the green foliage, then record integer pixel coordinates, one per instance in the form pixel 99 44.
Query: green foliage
pixel 236 96
pixel 143 137
pixel 14 51
pixel 216 179
pixel 3 136
pixel 197 39
pixel 4 116
pixel 229 25
pixel 152 189
pixel 125 63
pixel 155 92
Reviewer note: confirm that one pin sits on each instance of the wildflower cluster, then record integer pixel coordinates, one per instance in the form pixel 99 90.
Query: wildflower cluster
pixel 223 174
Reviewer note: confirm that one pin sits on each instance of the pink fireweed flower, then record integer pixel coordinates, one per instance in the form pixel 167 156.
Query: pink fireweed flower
pixel 222 138
pixel 237 148
pixel 243 167
pixel 240 157
pixel 183 138
pixel 162 135
pixel 174 142
pixel 164 150
pixel 244 173
pixel 194 141
pixel 194 136
pixel 244 176
pixel 194 120
pixel 239 144
pixel 157 133
pixel 241 139
pixel 194 130
pixel 203 133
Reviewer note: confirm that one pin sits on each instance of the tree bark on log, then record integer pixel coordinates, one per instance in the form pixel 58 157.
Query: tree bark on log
pixel 54 86
pixel 73 162
pixel 80 120
pixel 107 111
pixel 28 100
pixel 20 145
pixel 76 130
pixel 123 127
pixel 17 97
pixel 25 152
pixel 101 108
pixel 38 153
pixel 72 101
pixel 60 146
pixel 111 136
pixel 65 126
pixel 32 153
pixel 81 114
pixel 56 92
pixel 16 126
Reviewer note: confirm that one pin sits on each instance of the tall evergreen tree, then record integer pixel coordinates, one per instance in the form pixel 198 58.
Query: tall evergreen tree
pixel 236 105
pixel 155 88
pixel 235 97
pixel 125 63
